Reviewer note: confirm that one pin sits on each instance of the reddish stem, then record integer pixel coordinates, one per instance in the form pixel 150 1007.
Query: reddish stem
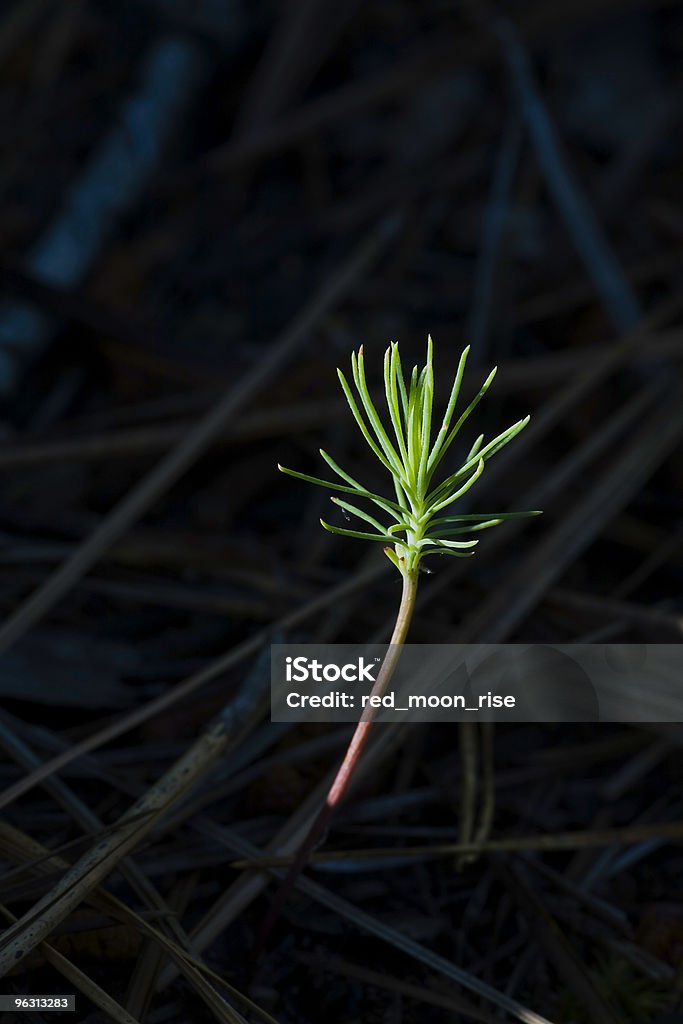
pixel 347 768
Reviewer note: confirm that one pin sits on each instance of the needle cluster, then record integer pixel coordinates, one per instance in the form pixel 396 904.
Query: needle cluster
pixel 421 518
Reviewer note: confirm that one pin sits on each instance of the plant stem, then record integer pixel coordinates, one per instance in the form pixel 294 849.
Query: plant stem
pixel 354 750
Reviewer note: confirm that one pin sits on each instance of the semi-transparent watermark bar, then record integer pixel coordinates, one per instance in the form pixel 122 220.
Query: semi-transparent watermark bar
pixel 470 682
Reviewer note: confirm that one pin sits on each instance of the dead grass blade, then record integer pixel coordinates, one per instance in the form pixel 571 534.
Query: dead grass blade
pixel 246 889
pixel 37 923
pixel 554 946
pixel 493 231
pixel 515 596
pixel 189 686
pixel 294 418
pixel 79 880
pixel 455 1003
pixel 153 953
pixel 620 303
pixel 386 933
pixel 671 831
pixel 80 980
pixel 19 848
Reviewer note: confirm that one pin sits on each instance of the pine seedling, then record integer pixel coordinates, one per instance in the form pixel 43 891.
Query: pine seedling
pixel 417 521
pixel 421 519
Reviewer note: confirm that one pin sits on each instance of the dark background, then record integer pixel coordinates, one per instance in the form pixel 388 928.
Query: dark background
pixel 205 207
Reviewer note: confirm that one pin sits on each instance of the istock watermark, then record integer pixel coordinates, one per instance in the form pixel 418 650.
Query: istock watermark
pixel 495 682
pixel 301 669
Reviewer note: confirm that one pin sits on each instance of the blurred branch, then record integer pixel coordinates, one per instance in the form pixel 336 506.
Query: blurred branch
pixel 109 184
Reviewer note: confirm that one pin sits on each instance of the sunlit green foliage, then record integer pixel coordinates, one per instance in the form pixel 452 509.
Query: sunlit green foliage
pixel 421 518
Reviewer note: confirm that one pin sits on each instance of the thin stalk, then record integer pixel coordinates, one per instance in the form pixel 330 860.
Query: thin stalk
pixel 346 769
